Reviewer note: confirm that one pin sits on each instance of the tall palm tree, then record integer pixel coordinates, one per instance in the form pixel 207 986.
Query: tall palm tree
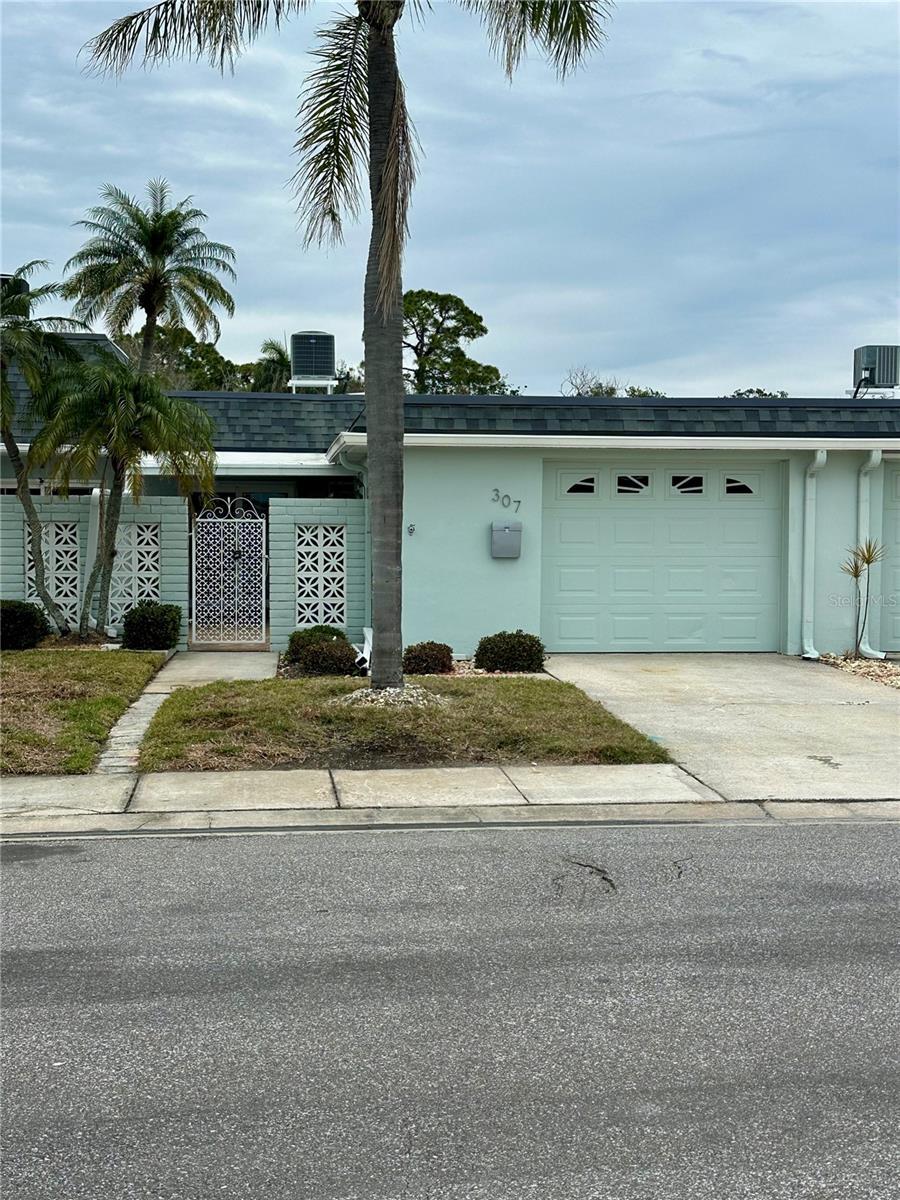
pixel 154 258
pixel 273 367
pixel 106 410
pixel 353 120
pixel 32 344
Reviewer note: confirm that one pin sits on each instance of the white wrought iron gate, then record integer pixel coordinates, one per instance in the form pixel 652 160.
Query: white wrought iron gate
pixel 229 573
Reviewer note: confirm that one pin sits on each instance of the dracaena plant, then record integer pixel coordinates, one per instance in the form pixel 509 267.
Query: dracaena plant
pixel 354 133
pixel 858 565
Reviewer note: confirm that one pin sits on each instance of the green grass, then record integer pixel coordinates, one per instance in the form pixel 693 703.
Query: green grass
pixel 289 722
pixel 59 705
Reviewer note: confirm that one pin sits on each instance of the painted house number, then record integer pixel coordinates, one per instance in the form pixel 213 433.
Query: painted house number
pixel 505 500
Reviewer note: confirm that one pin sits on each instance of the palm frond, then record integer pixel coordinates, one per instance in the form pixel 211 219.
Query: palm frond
pixel 332 142
pixel 218 30
pixel 565 31
pixel 397 181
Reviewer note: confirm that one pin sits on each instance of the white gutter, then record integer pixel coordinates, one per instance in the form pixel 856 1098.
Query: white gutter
pixel 808 581
pixel 863 517
pixel 93 539
pixel 349 441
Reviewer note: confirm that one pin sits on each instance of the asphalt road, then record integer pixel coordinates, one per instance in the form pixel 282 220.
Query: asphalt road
pixel 707 1013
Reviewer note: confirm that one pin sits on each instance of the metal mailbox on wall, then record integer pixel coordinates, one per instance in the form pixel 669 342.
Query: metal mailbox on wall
pixel 506 539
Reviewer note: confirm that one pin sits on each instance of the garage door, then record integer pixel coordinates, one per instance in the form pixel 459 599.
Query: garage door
pixel 890 572
pixel 661 557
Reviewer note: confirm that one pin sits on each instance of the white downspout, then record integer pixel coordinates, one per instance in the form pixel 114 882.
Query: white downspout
pixel 808 598
pixel 863 517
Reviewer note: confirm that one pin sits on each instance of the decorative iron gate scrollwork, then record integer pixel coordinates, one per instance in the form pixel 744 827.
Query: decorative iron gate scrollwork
pixel 229 573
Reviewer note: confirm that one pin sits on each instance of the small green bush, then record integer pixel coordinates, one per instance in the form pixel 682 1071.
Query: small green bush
pixel 327 658
pixel 22 625
pixel 510 652
pixel 428 658
pixel 307 637
pixel 151 626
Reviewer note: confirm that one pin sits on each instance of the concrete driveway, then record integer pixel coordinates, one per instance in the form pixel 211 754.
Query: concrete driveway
pixel 754 726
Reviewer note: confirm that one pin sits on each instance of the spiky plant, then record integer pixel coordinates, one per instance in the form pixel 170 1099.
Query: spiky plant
pixel 152 258
pixel 353 126
pixel 858 566
pixel 103 418
pixel 32 344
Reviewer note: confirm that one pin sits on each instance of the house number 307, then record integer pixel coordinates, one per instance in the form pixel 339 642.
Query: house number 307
pixel 505 500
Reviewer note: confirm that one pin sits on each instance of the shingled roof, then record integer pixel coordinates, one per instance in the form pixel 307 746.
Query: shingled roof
pixel 278 421
pixel 275 421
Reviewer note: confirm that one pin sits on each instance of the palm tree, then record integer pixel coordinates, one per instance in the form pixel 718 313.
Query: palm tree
pixel 353 121
pixel 105 409
pixel 273 367
pixel 152 257
pixel 32 344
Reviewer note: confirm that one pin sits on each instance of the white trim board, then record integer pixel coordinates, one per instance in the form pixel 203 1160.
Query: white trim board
pixel 520 441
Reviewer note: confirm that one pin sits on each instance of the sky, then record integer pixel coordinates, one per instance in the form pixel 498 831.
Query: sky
pixel 711 203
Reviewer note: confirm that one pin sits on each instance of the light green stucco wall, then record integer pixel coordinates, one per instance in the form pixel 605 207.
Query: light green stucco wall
pixel 455 592
pixel 284 517
pixel 12 536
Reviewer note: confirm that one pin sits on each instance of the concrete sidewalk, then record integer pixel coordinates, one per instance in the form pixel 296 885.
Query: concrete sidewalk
pixel 219 800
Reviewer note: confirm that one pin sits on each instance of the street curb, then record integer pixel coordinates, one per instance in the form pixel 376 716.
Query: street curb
pixel 213 824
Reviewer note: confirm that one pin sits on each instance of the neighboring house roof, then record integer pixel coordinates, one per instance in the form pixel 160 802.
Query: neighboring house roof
pixel 278 421
pixel 87 344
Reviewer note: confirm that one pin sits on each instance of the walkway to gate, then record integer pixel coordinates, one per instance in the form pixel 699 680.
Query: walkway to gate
pixel 194 668
pixel 122 750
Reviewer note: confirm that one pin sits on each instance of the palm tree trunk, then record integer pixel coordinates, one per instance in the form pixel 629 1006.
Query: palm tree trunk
pixel 383 338
pixel 54 612
pixel 110 526
pixel 147 344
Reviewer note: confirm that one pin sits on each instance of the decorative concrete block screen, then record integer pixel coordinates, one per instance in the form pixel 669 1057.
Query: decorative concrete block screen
pixel 65 548
pixel 321 574
pixel 318 566
pixel 136 568
pixel 62 566
pixel 152 543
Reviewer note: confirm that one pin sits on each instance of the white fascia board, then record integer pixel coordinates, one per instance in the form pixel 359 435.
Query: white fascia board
pixel 519 441
pixel 277 465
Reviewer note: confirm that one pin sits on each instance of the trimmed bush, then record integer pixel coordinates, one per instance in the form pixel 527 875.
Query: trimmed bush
pixel 336 657
pixel 309 636
pixel 428 658
pixel 510 652
pixel 22 625
pixel 151 626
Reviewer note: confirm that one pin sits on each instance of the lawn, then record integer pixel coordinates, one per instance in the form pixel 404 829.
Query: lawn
pixel 59 705
pixel 290 723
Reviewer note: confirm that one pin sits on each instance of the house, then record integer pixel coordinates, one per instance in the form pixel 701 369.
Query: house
pixel 604 525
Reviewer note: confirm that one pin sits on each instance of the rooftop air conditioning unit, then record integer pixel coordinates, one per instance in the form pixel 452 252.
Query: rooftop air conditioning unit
pixel 876 367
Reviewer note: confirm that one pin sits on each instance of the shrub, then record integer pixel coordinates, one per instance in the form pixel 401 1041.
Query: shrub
pixel 307 637
pixel 22 625
pixel 336 657
pixel 151 626
pixel 428 658
pixel 510 652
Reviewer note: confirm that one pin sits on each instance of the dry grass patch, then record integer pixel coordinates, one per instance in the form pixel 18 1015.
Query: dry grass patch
pixel 290 723
pixel 59 705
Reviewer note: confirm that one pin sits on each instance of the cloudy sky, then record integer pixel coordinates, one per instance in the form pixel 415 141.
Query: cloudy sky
pixel 711 204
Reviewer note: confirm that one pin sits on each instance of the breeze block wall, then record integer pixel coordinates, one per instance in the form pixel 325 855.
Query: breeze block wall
pixel 284 517
pixel 13 536
pixel 171 514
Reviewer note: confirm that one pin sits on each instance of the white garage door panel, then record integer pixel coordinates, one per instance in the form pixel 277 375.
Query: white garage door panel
pixel 664 571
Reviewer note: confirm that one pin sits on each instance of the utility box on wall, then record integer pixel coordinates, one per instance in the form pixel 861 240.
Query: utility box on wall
pixel 506 539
